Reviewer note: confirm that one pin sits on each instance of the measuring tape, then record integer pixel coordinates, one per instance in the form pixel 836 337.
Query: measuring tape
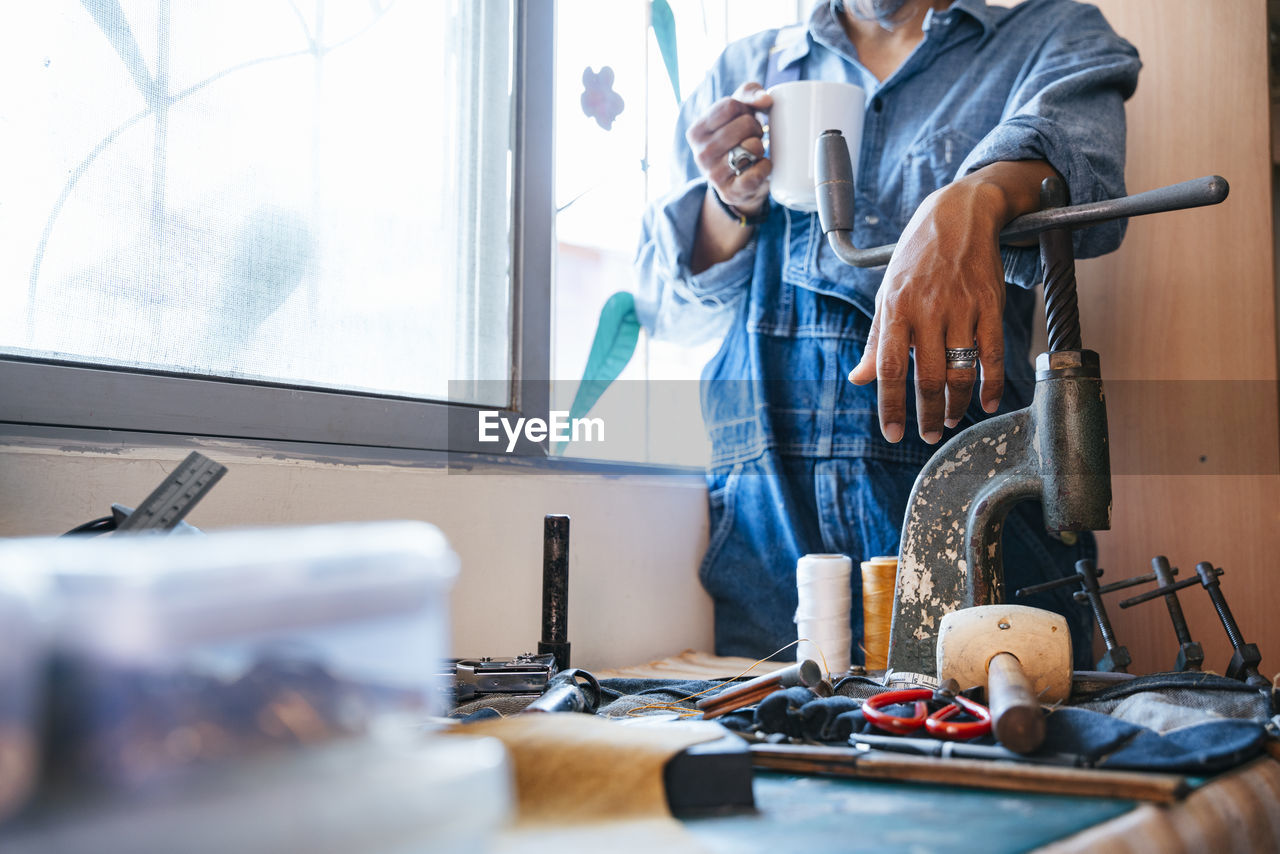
pixel 899 679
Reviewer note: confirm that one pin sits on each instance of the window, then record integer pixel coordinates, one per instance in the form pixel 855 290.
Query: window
pixel 605 176
pixel 334 221
pixel 317 201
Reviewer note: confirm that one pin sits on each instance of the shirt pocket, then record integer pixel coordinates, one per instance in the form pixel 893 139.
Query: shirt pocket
pixel 930 163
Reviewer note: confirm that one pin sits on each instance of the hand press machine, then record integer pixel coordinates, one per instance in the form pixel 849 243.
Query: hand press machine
pixel 1055 450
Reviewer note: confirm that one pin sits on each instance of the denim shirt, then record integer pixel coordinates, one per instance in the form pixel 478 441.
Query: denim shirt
pixel 1045 80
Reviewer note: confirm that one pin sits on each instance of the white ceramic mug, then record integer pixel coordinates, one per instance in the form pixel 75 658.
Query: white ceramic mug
pixel 802 110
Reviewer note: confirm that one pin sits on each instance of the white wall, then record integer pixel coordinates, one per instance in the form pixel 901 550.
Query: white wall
pixel 634 547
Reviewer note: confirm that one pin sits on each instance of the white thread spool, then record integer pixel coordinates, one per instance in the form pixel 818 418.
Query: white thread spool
pixel 822 610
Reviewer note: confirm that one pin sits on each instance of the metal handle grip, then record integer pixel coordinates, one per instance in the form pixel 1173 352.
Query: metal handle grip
pixel 834 184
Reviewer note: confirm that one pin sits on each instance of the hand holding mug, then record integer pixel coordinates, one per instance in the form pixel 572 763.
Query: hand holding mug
pixel 731 123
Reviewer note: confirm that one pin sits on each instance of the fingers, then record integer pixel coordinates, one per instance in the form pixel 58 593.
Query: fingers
pixel 749 99
pixel 865 371
pixel 931 386
pixel 893 354
pixel 712 145
pixel 960 381
pixel 711 148
pixel 990 335
pixel 754 95
pixel 942 393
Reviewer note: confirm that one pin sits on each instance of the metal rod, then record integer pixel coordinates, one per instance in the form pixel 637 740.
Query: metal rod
pixel 555 589
pixel 1116 659
pixel 1190 654
pixel 1128 582
pixel 1208 576
pixel 1159 591
pixel 1246 657
pixel 1075 579
pixel 961 750
pixel 1064 581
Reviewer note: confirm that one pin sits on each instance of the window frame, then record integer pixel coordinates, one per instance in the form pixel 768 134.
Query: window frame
pixel 44 393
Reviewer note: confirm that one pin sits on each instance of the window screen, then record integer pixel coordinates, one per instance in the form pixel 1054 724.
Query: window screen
pixel 313 193
pixel 622 69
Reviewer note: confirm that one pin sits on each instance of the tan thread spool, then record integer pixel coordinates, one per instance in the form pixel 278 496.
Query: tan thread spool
pixel 878 578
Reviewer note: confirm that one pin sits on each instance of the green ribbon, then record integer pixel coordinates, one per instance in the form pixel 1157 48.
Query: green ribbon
pixel 615 341
pixel 664 30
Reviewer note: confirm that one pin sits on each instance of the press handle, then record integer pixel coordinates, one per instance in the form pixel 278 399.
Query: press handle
pixel 833 181
pixel 1196 193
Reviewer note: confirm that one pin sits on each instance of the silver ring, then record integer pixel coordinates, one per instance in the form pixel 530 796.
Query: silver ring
pixel 740 160
pixel 962 358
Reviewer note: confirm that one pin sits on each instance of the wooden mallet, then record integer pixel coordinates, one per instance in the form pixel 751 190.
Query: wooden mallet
pixel 1021 655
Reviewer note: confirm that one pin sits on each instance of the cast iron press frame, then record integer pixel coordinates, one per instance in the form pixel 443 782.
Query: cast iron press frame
pixel 1055 450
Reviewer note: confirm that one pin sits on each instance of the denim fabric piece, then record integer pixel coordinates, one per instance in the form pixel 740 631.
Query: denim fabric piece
pixel 821 719
pixel 781 711
pixel 1085 733
pixel 1214 694
pixel 846 725
pixel 1198 749
pixel 1156 712
pixel 618 697
pixel 798 463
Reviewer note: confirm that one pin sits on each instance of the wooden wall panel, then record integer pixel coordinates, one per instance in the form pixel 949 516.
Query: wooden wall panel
pixel 1184 318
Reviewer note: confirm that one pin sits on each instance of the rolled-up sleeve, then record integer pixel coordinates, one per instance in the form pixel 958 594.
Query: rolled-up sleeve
pixel 671 301
pixel 1068 110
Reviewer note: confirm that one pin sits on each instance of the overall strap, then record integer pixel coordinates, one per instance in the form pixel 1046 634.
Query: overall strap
pixel 785 37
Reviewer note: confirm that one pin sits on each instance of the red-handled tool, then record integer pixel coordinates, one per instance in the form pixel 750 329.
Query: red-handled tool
pixel 937 723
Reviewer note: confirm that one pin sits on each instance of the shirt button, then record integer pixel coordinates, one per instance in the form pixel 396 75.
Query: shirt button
pixel 871 219
pixel 877 105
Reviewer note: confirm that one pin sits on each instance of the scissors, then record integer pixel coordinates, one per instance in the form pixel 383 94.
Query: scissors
pixel 937 723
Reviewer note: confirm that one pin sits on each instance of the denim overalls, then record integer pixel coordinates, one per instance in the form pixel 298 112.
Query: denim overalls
pixel 798 463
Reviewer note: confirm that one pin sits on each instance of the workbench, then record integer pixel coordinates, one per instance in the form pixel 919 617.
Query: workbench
pixel 1235 811
pixel 1239 811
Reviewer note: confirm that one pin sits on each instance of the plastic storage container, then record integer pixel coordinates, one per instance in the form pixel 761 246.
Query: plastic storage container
pixel 432 796
pixel 176 652
pixel 21 683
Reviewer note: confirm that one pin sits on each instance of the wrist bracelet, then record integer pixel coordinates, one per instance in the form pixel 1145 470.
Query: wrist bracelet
pixel 744 220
